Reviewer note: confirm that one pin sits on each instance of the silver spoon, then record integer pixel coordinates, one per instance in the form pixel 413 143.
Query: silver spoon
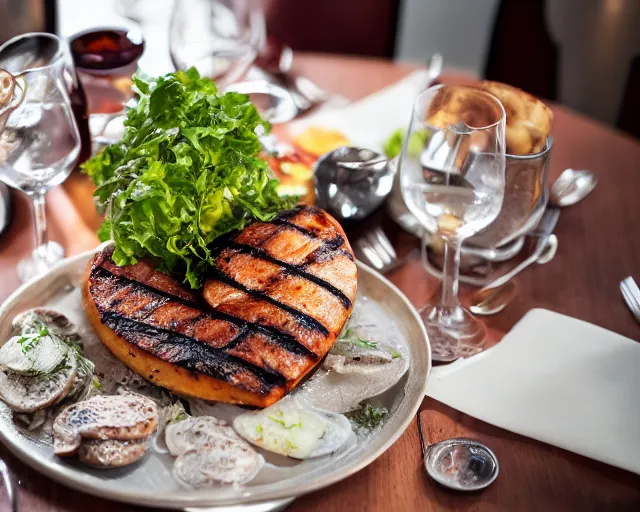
pixel 460 463
pixel 277 59
pixel 570 187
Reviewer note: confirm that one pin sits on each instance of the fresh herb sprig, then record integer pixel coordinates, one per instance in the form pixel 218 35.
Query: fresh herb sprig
pixel 29 340
pixel 367 418
pixel 186 172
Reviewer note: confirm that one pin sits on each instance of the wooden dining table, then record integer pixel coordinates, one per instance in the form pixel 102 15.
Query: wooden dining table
pixel 599 245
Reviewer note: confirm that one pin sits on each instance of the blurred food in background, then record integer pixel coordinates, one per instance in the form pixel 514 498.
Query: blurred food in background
pixel 317 141
pixel 529 120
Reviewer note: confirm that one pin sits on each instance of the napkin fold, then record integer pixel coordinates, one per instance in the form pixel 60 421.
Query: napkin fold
pixel 556 379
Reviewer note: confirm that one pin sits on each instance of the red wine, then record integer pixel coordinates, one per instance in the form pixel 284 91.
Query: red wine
pixel 106 49
pixel 81 113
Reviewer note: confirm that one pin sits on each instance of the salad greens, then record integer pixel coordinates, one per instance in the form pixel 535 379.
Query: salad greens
pixel 393 145
pixel 185 172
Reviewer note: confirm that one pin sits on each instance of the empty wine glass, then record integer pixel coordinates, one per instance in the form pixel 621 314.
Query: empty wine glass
pixel 220 38
pixel 40 144
pixel 452 179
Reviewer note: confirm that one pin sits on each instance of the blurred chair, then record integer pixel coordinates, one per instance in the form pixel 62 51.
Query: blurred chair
pixel 521 52
pixel 20 16
pixel 359 27
pixel 578 52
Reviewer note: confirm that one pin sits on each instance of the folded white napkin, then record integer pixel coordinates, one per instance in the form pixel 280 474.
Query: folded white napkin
pixel 368 123
pixel 556 379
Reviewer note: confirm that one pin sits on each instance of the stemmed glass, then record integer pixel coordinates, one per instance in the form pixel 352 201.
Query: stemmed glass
pixel 452 179
pixel 40 143
pixel 221 38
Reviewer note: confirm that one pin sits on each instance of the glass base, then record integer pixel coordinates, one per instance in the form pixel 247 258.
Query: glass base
pixel 453 333
pixel 41 260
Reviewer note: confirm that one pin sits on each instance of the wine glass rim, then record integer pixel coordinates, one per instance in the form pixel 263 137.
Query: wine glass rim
pixel 430 90
pixel 59 53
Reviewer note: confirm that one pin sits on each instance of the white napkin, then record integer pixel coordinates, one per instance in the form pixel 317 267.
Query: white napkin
pixel 368 123
pixel 556 379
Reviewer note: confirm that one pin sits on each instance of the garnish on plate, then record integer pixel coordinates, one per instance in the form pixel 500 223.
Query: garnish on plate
pixel 186 171
pixel 367 418
pixel 43 363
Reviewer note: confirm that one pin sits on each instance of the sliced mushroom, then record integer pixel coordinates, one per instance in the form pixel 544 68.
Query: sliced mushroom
pixel 30 393
pixel 43 357
pixel 359 373
pixel 225 461
pixel 111 453
pixel 193 433
pixel 122 417
pixel 55 321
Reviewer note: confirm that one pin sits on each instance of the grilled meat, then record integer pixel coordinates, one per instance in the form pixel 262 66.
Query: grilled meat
pixel 274 304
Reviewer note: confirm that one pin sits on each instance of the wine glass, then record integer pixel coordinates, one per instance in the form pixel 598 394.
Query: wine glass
pixel 39 146
pixel 452 172
pixel 220 38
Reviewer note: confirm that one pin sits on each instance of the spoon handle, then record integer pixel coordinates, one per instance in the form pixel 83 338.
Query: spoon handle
pixel 9 485
pixel 423 446
pixel 544 231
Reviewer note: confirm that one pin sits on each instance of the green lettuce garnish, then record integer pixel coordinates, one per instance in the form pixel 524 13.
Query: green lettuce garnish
pixel 186 172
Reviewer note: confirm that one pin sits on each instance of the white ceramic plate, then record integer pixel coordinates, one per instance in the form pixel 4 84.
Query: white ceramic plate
pixel 150 482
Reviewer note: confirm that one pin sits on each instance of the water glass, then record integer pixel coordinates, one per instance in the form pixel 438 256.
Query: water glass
pixel 452 175
pixel 221 38
pixel 40 145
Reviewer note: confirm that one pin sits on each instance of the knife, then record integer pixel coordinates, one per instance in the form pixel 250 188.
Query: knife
pixel 544 231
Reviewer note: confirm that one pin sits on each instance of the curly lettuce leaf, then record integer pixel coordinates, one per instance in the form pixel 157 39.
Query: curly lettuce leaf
pixel 185 172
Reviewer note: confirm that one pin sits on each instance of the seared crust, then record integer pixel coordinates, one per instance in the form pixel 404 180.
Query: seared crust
pixel 278 298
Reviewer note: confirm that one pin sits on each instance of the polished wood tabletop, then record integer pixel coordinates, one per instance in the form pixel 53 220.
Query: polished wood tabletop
pixel 599 246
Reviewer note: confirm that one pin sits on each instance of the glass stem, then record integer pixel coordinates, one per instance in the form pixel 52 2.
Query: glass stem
pixel 450 273
pixel 40 218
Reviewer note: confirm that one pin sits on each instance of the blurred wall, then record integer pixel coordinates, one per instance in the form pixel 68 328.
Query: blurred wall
pixel 596 41
pixel 459 29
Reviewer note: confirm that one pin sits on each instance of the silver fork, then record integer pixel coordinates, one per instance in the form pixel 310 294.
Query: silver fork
pixel 375 249
pixel 631 295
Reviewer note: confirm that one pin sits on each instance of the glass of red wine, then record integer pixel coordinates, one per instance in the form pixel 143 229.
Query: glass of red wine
pixel 106 58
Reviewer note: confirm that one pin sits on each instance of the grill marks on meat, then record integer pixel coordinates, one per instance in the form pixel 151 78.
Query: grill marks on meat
pixel 275 302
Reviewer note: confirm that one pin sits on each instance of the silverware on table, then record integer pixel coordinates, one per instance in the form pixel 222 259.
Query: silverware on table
pixel 9 485
pixel 277 61
pixel 434 69
pixel 543 252
pixel 275 103
pixel 461 464
pixel 631 295
pixel 571 187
